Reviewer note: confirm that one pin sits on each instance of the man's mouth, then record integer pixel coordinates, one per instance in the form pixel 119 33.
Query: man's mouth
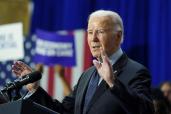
pixel 94 47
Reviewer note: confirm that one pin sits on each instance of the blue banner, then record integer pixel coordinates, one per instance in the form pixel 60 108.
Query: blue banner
pixel 55 49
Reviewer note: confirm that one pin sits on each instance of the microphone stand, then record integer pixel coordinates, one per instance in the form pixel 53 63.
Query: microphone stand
pixel 14 87
pixel 9 92
pixel 17 94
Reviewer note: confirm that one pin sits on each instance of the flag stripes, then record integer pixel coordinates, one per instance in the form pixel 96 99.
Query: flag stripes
pixel 83 58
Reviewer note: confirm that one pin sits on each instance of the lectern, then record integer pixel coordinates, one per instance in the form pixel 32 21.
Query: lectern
pixel 24 107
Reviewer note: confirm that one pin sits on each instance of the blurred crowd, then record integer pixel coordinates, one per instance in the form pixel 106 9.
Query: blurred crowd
pixel 162 98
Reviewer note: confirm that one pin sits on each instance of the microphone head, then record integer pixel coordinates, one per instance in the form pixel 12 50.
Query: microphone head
pixel 34 76
pixel 17 84
pixel 30 78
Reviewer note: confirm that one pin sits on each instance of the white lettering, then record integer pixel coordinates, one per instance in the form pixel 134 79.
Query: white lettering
pixel 49 48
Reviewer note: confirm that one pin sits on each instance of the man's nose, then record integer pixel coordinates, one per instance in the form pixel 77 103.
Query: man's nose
pixel 95 36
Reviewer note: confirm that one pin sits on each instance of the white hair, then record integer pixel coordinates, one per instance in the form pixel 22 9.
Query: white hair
pixel 115 17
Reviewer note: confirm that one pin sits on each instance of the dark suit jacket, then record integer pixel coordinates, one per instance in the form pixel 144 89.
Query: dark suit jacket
pixel 130 94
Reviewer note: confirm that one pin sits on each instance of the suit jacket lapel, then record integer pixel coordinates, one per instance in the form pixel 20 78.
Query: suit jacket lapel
pixel 117 68
pixel 120 64
pixel 100 90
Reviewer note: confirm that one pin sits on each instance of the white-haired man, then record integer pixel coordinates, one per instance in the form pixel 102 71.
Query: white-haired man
pixel 114 85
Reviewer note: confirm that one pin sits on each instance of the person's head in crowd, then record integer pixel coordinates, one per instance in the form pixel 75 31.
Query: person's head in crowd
pixel 105 31
pixel 166 89
pixel 161 105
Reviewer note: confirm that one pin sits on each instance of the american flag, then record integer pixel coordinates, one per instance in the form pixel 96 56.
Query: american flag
pixel 6 74
pixel 51 80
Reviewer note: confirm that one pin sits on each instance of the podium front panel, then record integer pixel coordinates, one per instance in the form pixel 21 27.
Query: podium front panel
pixel 24 107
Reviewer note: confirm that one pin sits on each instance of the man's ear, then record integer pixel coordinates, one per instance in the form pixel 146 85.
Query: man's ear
pixel 118 37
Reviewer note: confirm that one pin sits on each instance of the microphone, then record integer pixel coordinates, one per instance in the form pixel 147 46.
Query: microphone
pixel 18 83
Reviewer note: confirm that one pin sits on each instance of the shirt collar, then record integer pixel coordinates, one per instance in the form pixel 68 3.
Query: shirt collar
pixel 115 56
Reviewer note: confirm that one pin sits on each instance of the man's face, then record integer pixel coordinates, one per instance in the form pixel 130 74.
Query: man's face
pixel 101 35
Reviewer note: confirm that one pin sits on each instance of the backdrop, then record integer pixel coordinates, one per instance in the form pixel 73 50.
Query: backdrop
pixel 147 26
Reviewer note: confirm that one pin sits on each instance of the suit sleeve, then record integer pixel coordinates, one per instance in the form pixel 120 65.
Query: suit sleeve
pixel 66 107
pixel 136 97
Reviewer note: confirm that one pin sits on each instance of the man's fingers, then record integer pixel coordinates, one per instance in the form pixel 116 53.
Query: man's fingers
pixel 96 63
pixel 21 64
pixel 18 66
pixel 17 73
pixel 24 65
pixel 104 56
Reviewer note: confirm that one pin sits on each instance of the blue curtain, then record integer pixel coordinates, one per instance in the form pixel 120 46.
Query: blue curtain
pixel 159 40
pixel 147 27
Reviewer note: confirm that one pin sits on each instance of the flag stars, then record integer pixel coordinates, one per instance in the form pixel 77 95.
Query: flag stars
pixel 34 38
pixel 7 80
pixel 32 65
pixel 28 45
pixel 8 67
pixel 32 51
pixel 27 59
pixel 3 62
pixel 13 75
pixel 2 75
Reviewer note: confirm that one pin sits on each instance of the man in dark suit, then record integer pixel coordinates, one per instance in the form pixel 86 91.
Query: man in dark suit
pixel 114 85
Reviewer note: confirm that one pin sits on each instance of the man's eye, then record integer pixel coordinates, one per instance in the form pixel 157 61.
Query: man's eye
pixel 101 31
pixel 90 32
